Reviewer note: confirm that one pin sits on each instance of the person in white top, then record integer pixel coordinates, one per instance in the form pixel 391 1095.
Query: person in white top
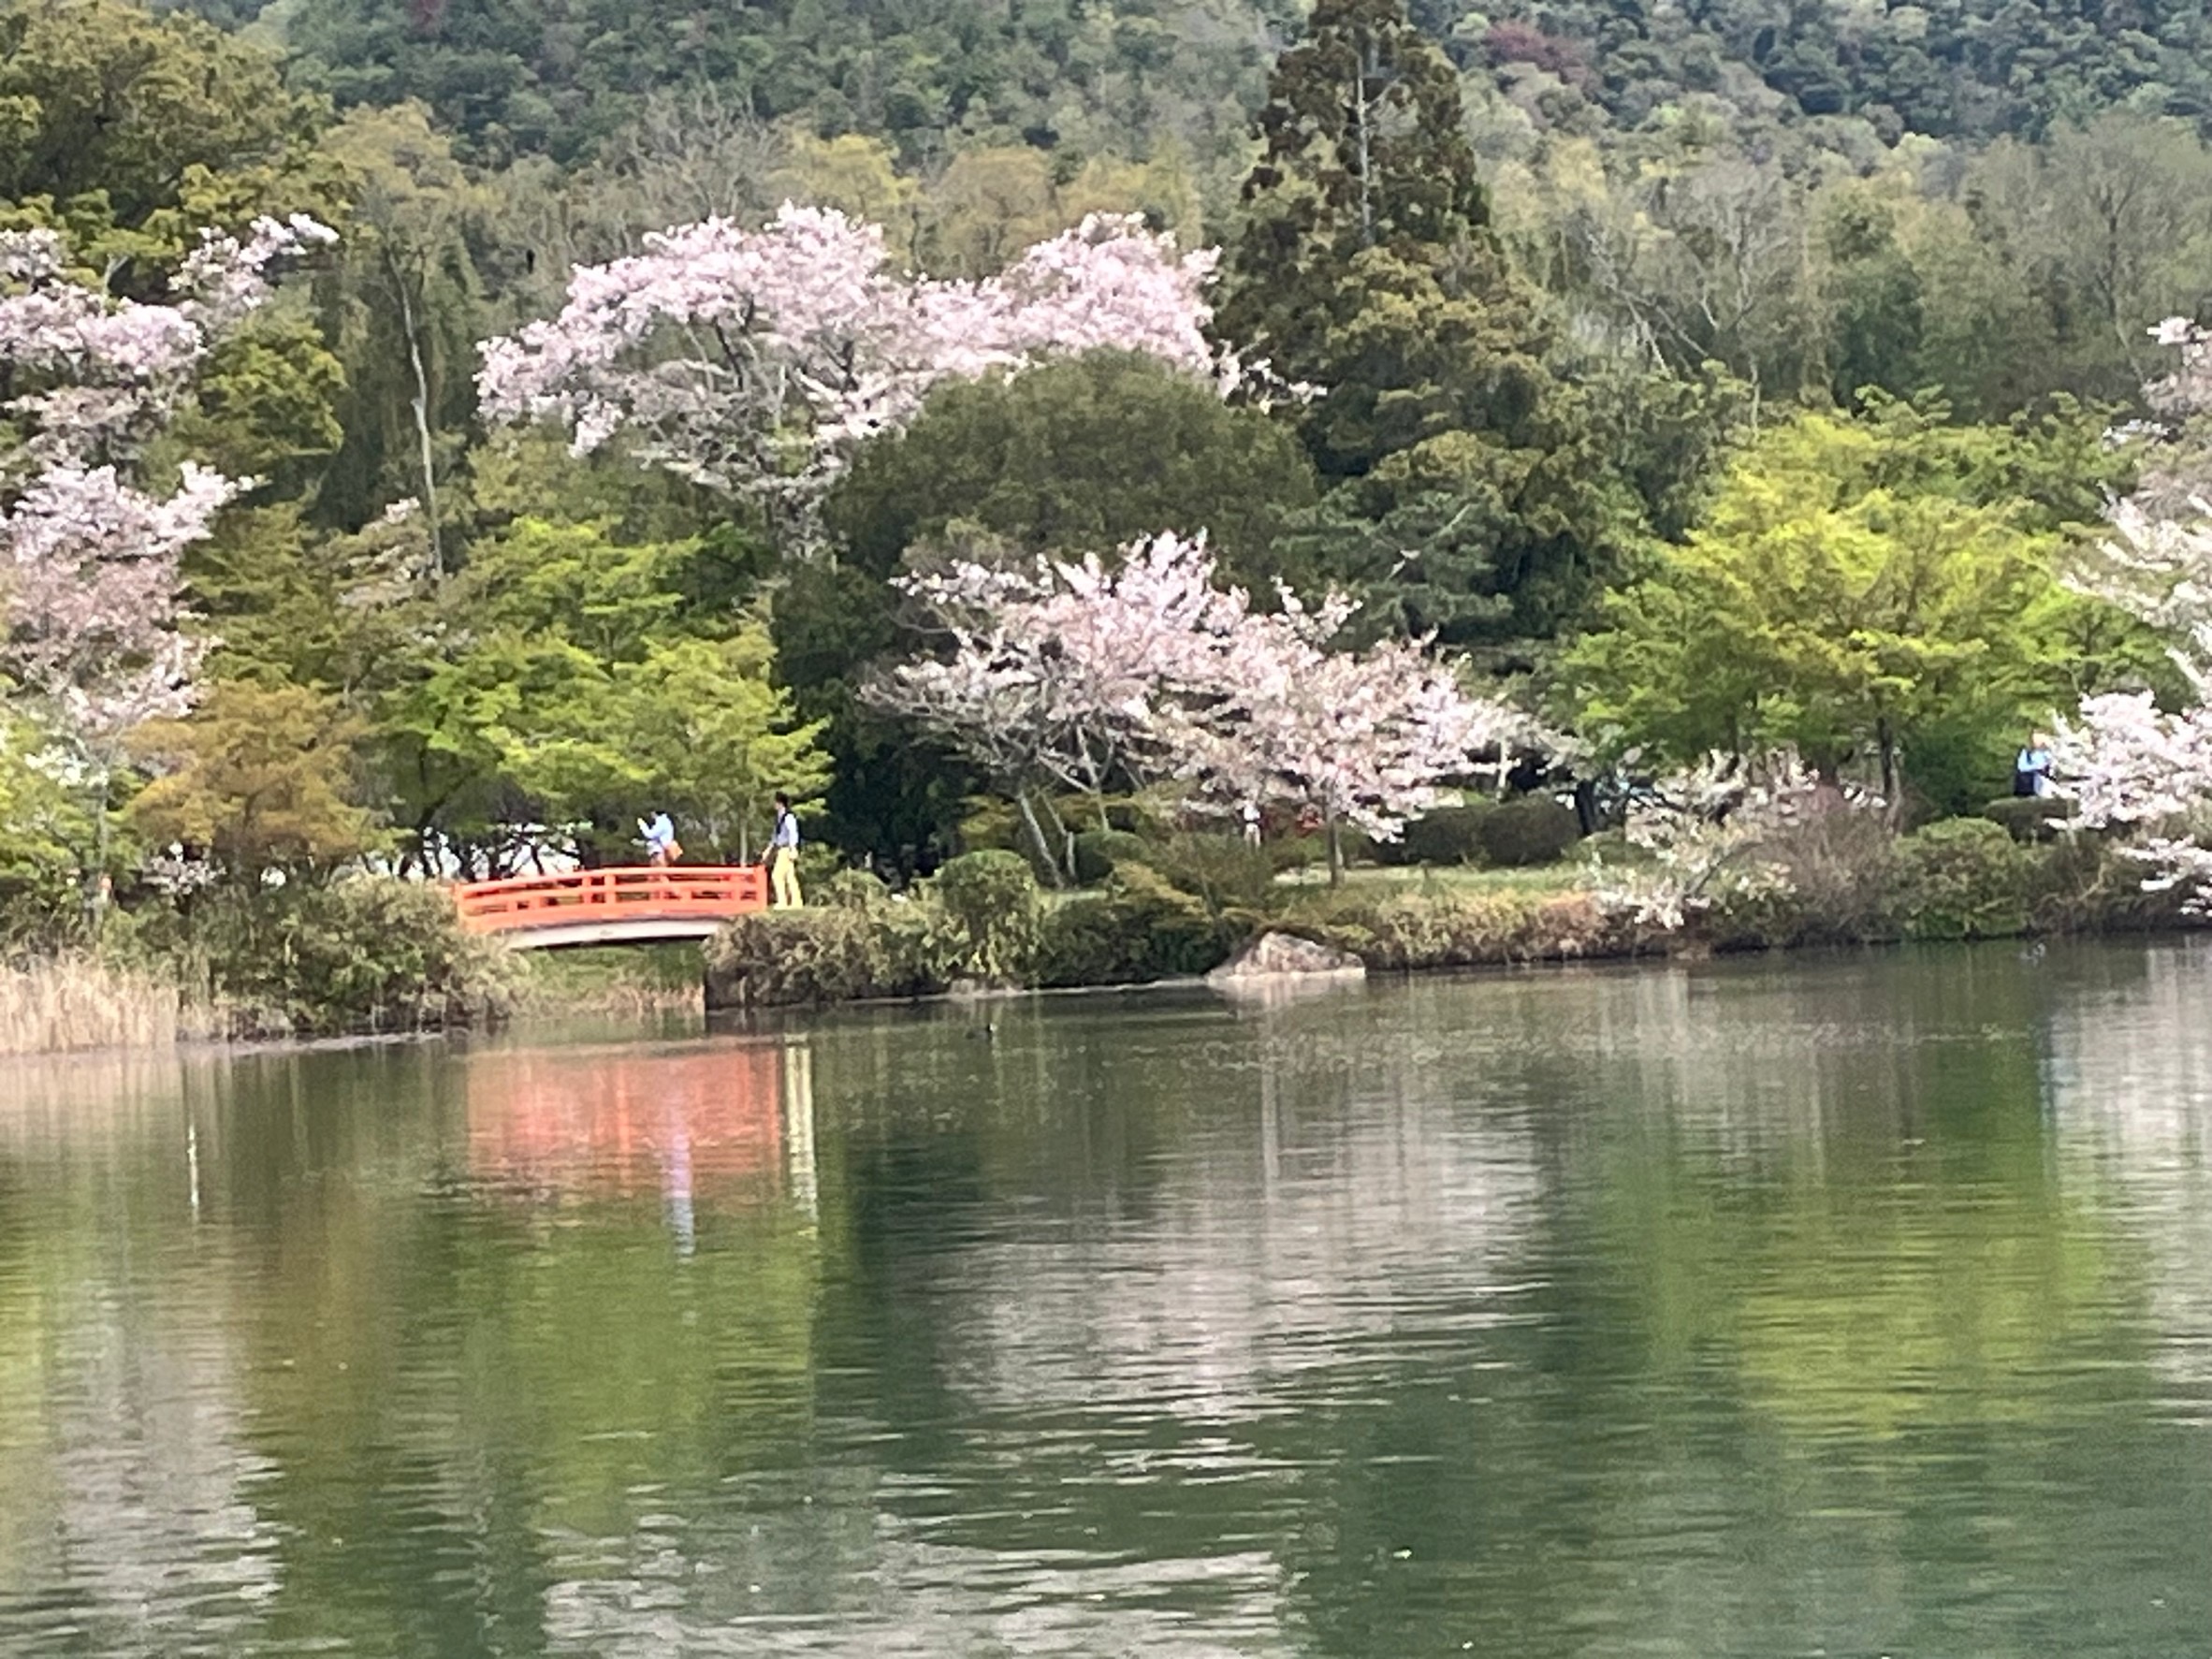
pixel 783 857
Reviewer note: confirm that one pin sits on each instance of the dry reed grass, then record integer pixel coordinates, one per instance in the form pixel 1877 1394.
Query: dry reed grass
pixel 78 1002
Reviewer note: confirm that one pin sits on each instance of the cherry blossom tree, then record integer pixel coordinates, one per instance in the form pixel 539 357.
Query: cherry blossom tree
pixel 2124 764
pixel 1058 671
pixel 1144 668
pixel 89 550
pixel 752 362
pixel 1361 738
pixel 1708 835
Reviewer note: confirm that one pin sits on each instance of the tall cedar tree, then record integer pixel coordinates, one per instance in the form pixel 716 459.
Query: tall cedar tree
pixel 1470 492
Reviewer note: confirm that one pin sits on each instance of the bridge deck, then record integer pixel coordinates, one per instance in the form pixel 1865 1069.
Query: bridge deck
pixel 622 904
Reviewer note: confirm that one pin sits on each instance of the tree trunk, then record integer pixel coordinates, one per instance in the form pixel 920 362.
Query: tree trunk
pixel 1044 849
pixel 96 900
pixel 1586 805
pixel 1359 116
pixel 1336 849
pixel 422 416
pixel 1067 839
pixel 1887 738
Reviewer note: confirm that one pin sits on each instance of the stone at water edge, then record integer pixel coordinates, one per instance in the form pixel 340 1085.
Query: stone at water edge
pixel 1274 954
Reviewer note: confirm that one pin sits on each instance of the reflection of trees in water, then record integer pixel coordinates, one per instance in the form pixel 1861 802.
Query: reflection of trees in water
pixel 2129 1083
pixel 1730 1310
pixel 128 1485
pixel 348 1399
pixel 1290 1194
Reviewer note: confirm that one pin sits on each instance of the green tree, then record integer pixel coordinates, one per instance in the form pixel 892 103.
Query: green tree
pixel 571 680
pixel 404 307
pixel 257 777
pixel 136 129
pixel 1881 590
pixel 1073 457
pixel 1366 267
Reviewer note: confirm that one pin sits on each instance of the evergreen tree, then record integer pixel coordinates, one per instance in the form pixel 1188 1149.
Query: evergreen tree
pixel 1366 269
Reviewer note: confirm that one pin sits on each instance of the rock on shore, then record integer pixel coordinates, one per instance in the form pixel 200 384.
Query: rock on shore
pixel 1281 955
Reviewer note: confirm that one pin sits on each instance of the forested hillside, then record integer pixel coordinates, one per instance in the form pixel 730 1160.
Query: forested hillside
pixel 560 76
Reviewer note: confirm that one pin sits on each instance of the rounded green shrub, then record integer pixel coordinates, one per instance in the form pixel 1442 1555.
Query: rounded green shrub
pixel 361 953
pixel 1097 853
pixel 2029 817
pixel 1221 870
pixel 1965 878
pixel 1447 836
pixel 849 890
pixel 780 958
pixel 1527 830
pixel 1138 928
pixel 991 899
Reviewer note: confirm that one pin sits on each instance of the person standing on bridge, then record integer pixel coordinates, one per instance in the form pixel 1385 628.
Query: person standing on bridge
pixel 660 841
pixel 783 857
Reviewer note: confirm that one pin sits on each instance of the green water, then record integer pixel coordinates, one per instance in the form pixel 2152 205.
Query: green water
pixel 1858 1306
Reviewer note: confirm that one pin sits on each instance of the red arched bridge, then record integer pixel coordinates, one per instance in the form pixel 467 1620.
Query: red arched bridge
pixel 620 906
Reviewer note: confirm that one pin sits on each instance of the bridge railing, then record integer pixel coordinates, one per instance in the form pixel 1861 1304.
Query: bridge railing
pixel 621 893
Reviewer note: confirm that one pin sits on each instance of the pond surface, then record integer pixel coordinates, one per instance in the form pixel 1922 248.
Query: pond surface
pixel 1850 1305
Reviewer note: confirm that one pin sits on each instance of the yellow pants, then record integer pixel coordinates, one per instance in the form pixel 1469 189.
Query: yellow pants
pixel 783 879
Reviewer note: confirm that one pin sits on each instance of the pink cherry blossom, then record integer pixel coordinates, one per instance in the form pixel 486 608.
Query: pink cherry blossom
pixel 90 553
pixel 1145 668
pixel 752 362
pixel 1707 833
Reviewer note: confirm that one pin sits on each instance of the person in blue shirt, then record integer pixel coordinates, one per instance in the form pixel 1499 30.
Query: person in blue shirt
pixel 2032 767
pixel 659 840
pixel 783 857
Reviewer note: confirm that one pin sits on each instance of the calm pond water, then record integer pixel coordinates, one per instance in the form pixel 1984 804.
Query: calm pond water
pixel 1856 1305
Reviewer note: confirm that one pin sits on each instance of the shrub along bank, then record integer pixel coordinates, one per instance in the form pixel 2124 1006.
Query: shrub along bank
pixel 983 920
pixel 352 954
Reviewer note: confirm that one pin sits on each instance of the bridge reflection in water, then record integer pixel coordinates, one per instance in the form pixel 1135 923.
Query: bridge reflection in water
pixel 730 1120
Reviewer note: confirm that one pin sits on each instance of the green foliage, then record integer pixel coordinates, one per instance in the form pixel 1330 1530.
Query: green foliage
pixel 566 77
pixel 1138 928
pixel 849 890
pixel 1444 835
pixel 1074 457
pixel 585 680
pixel 990 899
pixel 1527 830
pixel 257 777
pixel 1219 869
pixel 780 958
pixel 2029 817
pixel 1100 853
pixel 138 129
pixel 1859 589
pixel 1513 834
pixel 1964 878
pixel 44 828
pixel 892 794
pixel 1473 496
pixel 312 958
pixel 1436 927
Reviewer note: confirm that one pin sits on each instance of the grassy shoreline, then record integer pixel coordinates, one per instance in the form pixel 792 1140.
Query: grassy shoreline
pixel 1142 926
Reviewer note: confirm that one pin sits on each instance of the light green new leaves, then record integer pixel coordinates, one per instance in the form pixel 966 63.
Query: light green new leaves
pixel 1864 590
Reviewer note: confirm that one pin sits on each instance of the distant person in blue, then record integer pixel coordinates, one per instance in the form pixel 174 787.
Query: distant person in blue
pixel 659 840
pixel 783 857
pixel 2032 767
